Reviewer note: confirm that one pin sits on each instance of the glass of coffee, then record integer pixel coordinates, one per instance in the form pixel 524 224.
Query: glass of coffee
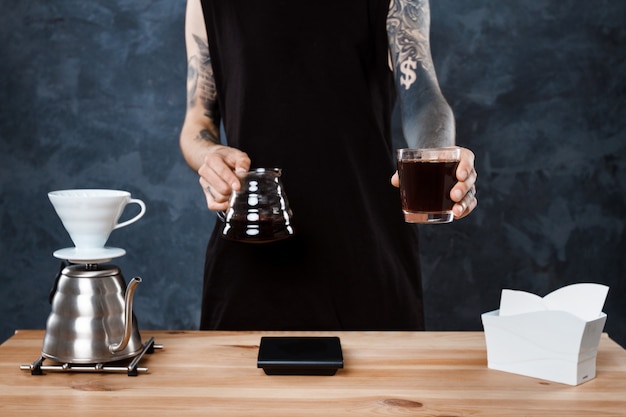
pixel 427 176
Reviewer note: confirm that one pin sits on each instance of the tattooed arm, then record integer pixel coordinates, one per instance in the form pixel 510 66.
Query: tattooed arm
pixel 427 120
pixel 201 126
pixel 200 135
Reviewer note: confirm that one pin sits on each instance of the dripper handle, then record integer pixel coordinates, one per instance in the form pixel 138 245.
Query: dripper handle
pixel 142 205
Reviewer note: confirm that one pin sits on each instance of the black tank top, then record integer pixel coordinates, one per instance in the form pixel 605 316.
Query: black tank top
pixel 307 88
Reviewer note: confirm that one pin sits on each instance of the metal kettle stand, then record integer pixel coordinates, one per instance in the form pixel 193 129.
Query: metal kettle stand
pixel 132 369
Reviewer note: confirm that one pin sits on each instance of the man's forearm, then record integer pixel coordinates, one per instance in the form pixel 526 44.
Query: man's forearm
pixel 201 127
pixel 427 119
pixel 202 120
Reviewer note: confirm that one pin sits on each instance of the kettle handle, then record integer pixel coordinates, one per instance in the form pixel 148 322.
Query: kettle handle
pixel 53 290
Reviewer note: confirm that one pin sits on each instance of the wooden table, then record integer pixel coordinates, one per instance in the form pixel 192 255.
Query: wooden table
pixel 385 373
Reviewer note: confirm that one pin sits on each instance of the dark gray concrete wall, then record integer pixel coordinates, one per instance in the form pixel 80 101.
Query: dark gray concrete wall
pixel 92 94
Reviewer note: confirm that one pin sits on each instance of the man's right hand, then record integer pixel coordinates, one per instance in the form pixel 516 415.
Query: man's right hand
pixel 219 174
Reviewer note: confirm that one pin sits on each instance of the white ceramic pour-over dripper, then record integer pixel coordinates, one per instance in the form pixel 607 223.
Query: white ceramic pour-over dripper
pixel 90 215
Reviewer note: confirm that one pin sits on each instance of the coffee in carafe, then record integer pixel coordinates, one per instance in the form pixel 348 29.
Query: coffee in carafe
pixel 259 212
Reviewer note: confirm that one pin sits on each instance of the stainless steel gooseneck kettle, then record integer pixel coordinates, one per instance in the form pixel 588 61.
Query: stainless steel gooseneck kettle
pixel 92 319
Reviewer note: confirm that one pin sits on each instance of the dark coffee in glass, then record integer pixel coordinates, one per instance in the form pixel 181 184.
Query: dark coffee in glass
pixel 426 179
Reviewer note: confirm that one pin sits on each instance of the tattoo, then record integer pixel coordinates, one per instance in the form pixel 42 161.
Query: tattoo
pixel 201 82
pixel 206 135
pixel 407 28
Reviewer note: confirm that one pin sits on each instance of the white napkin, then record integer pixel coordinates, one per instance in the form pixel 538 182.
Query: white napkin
pixel 584 300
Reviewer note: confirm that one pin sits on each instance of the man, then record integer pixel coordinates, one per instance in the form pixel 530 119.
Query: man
pixel 310 89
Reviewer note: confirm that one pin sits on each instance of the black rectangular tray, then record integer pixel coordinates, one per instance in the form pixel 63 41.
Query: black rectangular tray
pixel 300 355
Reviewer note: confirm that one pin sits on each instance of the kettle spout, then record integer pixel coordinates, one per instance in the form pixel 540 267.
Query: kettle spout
pixel 128 316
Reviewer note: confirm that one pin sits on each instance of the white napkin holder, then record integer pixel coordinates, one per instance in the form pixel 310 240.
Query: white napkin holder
pixel 555 338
